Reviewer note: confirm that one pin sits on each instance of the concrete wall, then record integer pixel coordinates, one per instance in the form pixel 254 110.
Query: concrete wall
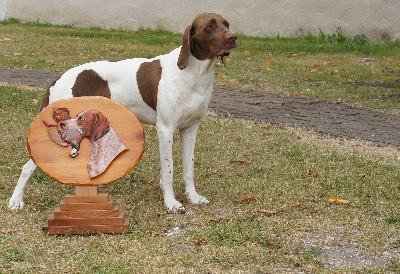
pixel 379 19
pixel 3 9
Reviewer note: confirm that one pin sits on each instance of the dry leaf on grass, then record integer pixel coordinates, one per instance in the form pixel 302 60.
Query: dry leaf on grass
pixel 297 204
pixel 240 161
pixel 8 231
pixel 201 242
pixel 269 212
pixel 338 201
pixel 38 204
pixel 216 220
pixel 307 174
pixel 362 175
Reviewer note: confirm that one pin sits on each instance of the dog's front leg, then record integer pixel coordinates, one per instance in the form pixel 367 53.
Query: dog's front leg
pixel 17 199
pixel 188 141
pixel 165 137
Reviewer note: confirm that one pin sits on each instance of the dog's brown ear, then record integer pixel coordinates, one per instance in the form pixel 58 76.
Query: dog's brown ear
pixel 184 55
pixel 100 126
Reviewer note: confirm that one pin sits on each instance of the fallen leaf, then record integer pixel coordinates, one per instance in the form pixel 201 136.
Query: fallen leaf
pixel 8 231
pixel 297 204
pixel 38 204
pixel 201 242
pixel 298 265
pixel 333 198
pixel 247 52
pixel 302 53
pixel 244 199
pixel 220 75
pixel 338 201
pixel 241 161
pixel 269 212
pixel 342 202
pixel 307 174
pixel 268 61
pixel 249 80
pixel 217 220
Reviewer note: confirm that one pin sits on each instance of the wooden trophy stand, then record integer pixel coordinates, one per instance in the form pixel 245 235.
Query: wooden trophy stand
pixel 87 211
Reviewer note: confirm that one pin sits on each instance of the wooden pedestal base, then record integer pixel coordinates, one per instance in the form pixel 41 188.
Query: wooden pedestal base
pixel 86 212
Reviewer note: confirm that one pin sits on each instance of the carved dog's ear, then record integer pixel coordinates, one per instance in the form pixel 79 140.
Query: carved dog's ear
pixel 184 55
pixel 100 126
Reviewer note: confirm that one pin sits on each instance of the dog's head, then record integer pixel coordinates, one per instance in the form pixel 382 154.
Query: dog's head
pixel 209 36
pixel 90 123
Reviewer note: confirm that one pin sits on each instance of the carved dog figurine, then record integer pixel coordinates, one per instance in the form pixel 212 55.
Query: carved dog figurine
pixel 170 91
pixel 104 141
pixel 89 123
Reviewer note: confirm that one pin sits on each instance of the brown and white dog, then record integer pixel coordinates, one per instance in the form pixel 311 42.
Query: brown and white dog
pixel 170 91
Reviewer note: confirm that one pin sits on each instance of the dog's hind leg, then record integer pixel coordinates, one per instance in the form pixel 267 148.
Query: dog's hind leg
pixel 17 199
pixel 188 142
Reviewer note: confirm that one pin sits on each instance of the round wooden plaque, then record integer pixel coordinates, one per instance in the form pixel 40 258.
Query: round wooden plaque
pixel 54 160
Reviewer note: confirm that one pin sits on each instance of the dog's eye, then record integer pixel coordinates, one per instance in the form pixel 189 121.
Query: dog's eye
pixel 80 118
pixel 210 27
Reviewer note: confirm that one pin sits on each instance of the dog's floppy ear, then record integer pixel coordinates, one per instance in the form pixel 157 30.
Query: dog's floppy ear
pixel 184 55
pixel 100 126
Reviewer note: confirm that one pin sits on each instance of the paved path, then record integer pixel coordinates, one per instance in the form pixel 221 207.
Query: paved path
pixel 338 119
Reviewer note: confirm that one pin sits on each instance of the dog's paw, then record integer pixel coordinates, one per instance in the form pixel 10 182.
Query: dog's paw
pixel 176 208
pixel 16 204
pixel 196 199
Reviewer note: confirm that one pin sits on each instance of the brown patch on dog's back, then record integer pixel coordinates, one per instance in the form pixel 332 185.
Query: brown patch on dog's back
pixel 148 77
pixel 89 83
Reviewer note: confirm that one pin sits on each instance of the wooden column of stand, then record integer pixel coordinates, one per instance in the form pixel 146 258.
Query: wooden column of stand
pixel 86 212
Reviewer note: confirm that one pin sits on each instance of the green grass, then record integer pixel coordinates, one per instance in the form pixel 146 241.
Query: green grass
pixel 330 66
pixel 234 159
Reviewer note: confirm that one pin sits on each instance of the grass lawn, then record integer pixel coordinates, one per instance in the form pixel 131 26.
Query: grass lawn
pixel 272 187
